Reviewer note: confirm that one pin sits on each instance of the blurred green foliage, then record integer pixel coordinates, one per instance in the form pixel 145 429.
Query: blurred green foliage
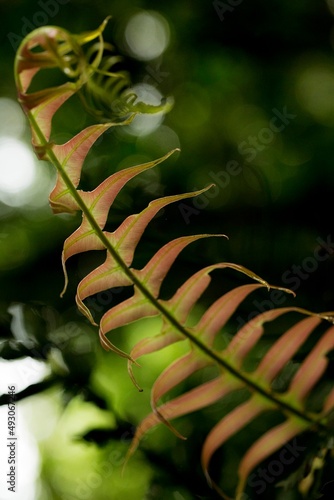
pixel 230 78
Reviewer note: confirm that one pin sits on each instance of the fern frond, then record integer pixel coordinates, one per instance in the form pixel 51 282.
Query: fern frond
pixel 93 74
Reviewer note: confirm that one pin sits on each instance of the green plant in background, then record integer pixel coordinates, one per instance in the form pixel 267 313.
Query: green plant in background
pixel 106 94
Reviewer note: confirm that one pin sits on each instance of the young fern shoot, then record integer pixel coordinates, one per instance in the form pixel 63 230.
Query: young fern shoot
pixel 106 94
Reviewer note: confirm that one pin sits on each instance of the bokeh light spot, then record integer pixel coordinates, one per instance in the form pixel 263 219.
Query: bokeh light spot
pixel 147 35
pixel 315 91
pixel 23 180
pixel 146 123
pixel 12 119
pixel 17 167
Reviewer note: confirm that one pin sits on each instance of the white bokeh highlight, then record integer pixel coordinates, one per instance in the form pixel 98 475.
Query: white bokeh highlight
pixel 17 167
pixel 20 373
pixel 147 35
pixel 144 124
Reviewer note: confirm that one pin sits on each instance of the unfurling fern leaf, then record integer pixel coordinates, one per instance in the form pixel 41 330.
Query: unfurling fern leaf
pixel 90 74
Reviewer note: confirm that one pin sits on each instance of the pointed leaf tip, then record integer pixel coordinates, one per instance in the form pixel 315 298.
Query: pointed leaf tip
pixel 168 424
pixel 131 361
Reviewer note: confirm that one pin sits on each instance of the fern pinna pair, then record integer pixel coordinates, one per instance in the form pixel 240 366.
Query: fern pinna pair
pixel 90 74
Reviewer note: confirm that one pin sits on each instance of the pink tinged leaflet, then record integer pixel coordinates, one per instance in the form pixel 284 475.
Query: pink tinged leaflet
pixel 195 399
pixel 151 276
pixel 217 315
pixel 229 425
pixel 312 367
pixel 250 333
pixel 29 62
pixel 126 238
pixel 42 106
pixel 180 306
pixel 99 202
pixel 178 371
pixel 175 373
pixel 221 310
pixel 157 268
pixel 285 347
pixel 265 446
pixel 71 157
